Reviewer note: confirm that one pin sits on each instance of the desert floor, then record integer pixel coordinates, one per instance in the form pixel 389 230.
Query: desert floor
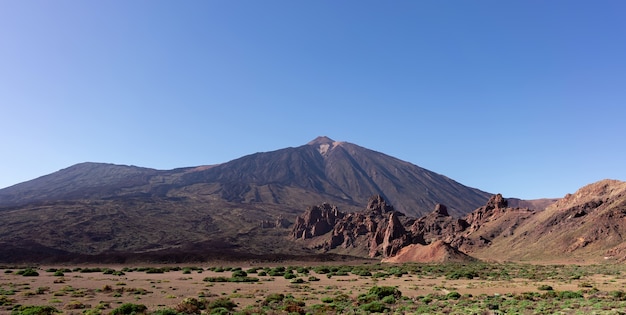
pixel 78 292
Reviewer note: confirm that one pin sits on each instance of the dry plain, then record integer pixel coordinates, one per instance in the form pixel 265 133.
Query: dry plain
pixel 473 288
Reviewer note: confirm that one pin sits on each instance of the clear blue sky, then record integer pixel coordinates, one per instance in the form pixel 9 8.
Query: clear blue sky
pixel 526 98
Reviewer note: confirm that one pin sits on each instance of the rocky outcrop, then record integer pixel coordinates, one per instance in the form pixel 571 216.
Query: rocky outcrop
pixel 380 231
pixel 279 222
pixel 438 225
pixel 316 221
pixel 395 236
pixel 494 207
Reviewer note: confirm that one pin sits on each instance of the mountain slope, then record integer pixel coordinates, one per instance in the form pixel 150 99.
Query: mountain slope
pixel 340 173
pixel 80 181
pixel 320 171
pixel 588 225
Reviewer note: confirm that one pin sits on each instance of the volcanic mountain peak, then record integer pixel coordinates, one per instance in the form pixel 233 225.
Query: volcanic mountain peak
pixel 321 140
pixel 324 144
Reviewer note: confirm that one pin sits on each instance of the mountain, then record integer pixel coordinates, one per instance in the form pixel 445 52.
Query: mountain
pixel 95 210
pixel 322 170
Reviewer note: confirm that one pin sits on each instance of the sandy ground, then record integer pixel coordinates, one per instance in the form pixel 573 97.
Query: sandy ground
pixel 158 291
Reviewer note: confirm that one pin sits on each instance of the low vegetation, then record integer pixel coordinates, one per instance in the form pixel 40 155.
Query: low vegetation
pixel 470 288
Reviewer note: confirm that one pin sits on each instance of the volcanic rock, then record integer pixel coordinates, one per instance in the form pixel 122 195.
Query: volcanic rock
pixel 438 225
pixel 378 230
pixel 316 221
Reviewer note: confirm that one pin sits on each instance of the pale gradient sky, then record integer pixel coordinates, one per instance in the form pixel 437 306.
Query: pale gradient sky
pixel 525 98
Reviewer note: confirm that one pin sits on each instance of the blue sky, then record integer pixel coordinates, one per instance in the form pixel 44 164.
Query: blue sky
pixel 525 98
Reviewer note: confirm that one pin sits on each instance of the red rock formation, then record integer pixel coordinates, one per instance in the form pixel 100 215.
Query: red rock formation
pixel 438 225
pixel 395 236
pixel 494 207
pixel 380 231
pixel 316 221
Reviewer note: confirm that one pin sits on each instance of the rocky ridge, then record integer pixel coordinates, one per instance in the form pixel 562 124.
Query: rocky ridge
pixel 381 231
pixel 588 224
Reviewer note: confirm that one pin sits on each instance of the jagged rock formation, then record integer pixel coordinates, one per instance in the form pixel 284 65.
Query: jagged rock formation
pixel 438 225
pixel 380 231
pixel 377 231
pixel 316 221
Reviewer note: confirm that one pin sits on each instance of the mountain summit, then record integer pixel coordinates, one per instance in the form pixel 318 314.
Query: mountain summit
pixel 323 144
pixel 321 140
pixel 324 170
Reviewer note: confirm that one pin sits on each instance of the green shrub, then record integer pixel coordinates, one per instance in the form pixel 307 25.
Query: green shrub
pixel 129 309
pixel 314 278
pixel 225 303
pixel 59 273
pixel 215 279
pixel 361 272
pixel 289 276
pixel 273 298
pixel 239 273
pixel 34 310
pixel 275 273
pixel 243 279
pixel 321 269
pixel 29 272
pixel 529 296
pixel 253 270
pixel 453 295
pixel 462 273
pixel 545 287
pixel 381 292
pixel 389 299
pixel 374 307
pixel 219 311
pixel 569 295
